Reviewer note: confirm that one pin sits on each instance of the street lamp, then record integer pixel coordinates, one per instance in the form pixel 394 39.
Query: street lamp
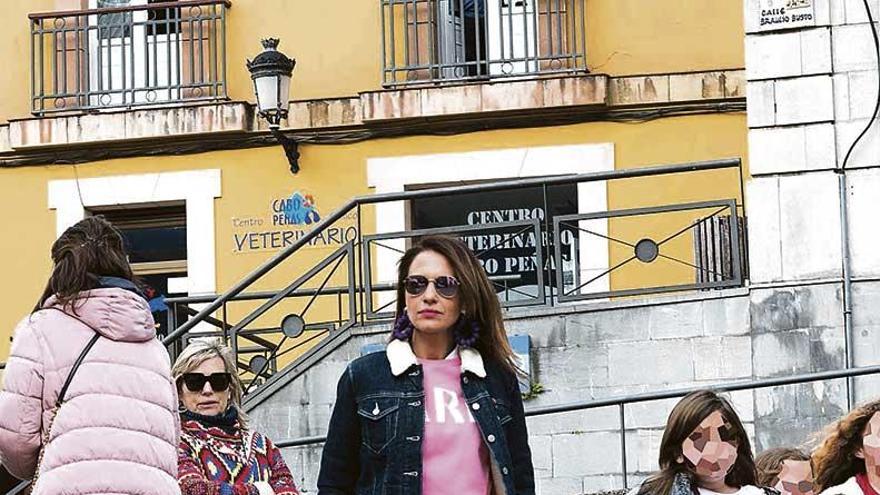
pixel 271 71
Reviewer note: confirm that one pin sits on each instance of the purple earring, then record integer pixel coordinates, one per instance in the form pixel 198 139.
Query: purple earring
pixel 403 328
pixel 466 332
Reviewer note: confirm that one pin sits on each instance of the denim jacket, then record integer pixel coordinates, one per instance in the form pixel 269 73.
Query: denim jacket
pixel 374 442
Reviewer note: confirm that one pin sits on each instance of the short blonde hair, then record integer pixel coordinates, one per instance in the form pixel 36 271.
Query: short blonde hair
pixel 200 350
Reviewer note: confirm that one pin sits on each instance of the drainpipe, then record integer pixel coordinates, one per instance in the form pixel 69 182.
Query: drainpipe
pixel 847 287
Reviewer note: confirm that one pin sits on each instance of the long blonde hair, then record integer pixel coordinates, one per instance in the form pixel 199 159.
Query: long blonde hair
pixel 200 350
pixel 835 461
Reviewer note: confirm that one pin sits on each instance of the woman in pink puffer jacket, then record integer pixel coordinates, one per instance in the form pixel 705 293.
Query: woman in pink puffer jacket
pixel 117 430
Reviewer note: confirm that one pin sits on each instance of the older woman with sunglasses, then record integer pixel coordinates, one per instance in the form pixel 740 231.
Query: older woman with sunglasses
pixel 219 454
pixel 439 411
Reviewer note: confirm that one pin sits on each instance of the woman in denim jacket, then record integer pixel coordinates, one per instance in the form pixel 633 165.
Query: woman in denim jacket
pixel 440 410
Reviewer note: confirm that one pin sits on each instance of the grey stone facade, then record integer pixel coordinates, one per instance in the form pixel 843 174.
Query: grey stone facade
pixel 612 349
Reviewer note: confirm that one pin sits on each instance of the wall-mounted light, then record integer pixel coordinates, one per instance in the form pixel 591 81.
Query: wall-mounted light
pixel 271 72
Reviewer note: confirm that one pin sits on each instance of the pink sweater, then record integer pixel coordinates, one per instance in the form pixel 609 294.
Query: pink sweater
pixel 454 459
pixel 117 432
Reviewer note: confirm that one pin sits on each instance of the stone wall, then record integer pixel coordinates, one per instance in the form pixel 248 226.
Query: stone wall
pixel 611 349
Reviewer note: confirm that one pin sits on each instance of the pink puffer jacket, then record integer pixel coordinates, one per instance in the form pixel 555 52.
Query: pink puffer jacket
pixel 117 432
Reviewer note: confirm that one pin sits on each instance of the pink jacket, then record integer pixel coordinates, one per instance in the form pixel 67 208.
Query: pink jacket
pixel 117 432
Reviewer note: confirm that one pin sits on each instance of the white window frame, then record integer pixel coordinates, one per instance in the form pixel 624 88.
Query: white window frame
pixel 197 188
pixel 395 174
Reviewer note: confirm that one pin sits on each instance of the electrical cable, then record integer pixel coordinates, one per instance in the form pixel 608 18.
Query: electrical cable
pixel 877 103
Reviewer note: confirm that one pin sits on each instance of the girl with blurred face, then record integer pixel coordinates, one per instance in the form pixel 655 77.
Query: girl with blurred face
pixel 704 451
pixel 848 460
pixel 787 470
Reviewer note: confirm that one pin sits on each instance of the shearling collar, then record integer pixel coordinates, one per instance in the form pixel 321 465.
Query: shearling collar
pixel 402 357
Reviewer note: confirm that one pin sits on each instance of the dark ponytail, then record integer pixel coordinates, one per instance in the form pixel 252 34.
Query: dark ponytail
pixel 90 249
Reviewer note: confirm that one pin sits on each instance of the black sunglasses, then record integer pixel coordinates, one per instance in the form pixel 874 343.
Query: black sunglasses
pixel 195 382
pixel 447 285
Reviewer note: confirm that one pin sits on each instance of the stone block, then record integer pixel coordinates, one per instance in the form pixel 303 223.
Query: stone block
pixel 643 450
pixel 852 48
pixel 571 454
pixel 580 90
pixel 101 127
pixel 542 455
pixel 734 82
pixel 792 308
pixel 782 353
pixel 867 152
pixel 726 317
pixel 698 86
pixel 816 51
pixel 804 100
pixel 299 116
pixel 792 149
pixel 862 94
pixel 544 332
pixel 601 419
pixel 765 242
pixel 722 358
pixel 797 351
pixel 761 104
pixel 5 143
pixel 512 95
pixel 639 90
pixel 841 96
pixel 630 324
pixel 646 415
pixel 777 426
pixel 559 486
pixel 810 226
pixel 674 321
pixel 653 362
pixel 771 56
pixel 866 311
pixel 743 402
pixel 451 100
pixel 575 367
pixel 602 483
pixel 385 105
pixel 855 11
pixel 838 13
pixel 322 381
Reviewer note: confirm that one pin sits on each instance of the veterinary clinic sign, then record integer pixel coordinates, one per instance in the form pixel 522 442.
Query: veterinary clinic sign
pixel 772 15
pixel 286 220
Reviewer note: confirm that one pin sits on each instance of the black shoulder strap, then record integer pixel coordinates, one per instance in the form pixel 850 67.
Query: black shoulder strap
pixel 79 360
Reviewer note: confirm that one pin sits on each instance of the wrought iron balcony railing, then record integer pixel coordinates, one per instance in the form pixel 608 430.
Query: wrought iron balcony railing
pixel 458 40
pixel 121 55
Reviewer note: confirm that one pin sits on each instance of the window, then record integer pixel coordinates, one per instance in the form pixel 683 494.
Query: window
pixel 474 39
pixel 134 53
pixel 155 239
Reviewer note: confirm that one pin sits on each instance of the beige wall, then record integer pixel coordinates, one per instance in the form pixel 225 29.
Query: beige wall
pixel 337 43
pixel 334 174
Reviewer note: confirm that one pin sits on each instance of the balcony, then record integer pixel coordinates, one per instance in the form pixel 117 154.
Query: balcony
pixel 448 41
pixel 128 56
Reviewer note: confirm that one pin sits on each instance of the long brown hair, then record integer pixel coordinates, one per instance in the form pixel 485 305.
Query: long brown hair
pixel 478 298
pixel 90 249
pixel 835 461
pixel 769 463
pixel 685 417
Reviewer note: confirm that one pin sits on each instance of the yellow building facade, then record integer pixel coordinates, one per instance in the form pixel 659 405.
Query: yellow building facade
pixel 648 84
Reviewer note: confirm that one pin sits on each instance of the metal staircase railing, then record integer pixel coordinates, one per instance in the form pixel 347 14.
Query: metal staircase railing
pixel 342 289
